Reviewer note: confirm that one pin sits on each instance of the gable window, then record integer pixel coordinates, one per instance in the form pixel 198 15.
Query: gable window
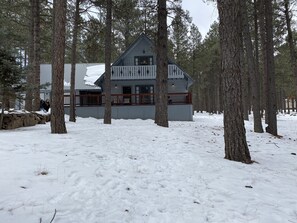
pixel 143 60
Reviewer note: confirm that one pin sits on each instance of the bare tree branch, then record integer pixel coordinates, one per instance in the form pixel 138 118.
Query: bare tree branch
pixel 54 216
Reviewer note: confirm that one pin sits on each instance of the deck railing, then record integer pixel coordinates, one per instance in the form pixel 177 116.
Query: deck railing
pixel 127 99
pixel 143 72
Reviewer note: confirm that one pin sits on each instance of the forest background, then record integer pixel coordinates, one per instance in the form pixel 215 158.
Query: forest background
pixel 200 57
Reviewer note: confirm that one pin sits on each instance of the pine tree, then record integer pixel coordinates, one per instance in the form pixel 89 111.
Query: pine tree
pixel 127 23
pixel 149 17
pixel 57 101
pixel 107 80
pixel 10 81
pixel 209 66
pixel 195 46
pixel 179 36
pixel 93 41
pixel 252 69
pixel 36 53
pixel 290 40
pixel 161 107
pixel 266 31
pixel 234 132
pixel 72 117
pixel 10 77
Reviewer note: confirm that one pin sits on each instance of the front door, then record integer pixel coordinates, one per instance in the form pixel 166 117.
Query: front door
pixel 127 94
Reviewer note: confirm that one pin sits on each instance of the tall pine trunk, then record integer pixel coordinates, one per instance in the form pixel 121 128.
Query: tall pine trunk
pixel 57 102
pixel 262 28
pixel 256 47
pixel 245 83
pixel 107 80
pixel 161 111
pixel 293 53
pixel 244 80
pixel 253 72
pixel 271 106
pixel 1 115
pixel 72 114
pixel 234 131
pixel 30 71
pixel 36 57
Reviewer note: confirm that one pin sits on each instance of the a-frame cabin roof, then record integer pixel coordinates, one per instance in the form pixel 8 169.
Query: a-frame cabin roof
pixel 150 43
pixel 134 44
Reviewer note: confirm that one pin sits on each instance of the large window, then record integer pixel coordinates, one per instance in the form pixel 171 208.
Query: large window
pixel 145 94
pixel 143 60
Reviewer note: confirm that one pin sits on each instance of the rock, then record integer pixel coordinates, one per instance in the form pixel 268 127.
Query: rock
pixel 17 119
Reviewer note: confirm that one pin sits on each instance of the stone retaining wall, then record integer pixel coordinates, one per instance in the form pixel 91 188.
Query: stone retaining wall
pixel 15 120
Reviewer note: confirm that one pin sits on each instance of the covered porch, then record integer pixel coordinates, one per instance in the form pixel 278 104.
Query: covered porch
pixel 132 106
pixel 98 99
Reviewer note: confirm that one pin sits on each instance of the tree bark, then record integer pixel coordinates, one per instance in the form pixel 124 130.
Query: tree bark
pixel 36 57
pixel 161 108
pixel 245 83
pixel 256 33
pixel 234 131
pixel 107 80
pixel 293 53
pixel 252 68
pixel 288 105
pixel 284 101
pixel 72 115
pixel 262 25
pixel 57 102
pixel 30 74
pixel 271 109
pixel 2 115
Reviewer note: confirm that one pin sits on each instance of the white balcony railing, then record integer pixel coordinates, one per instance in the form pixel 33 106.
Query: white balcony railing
pixel 143 72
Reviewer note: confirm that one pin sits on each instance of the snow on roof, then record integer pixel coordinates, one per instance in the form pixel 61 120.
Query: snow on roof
pixel 93 73
pixel 66 83
pixel 80 73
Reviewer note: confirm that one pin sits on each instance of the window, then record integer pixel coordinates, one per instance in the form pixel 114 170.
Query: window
pixel 145 94
pixel 143 60
pixel 88 98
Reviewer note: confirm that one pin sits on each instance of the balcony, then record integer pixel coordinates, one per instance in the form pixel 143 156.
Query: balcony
pixel 143 72
pixel 127 99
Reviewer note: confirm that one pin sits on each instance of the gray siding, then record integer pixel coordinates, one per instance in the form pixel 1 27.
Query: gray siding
pixel 143 48
pixel 180 85
pixel 175 112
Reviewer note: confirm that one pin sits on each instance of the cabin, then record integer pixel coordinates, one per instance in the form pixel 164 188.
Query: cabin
pixel 83 87
pixel 133 84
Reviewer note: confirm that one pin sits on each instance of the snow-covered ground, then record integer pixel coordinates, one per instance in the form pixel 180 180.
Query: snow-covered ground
pixel 135 171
